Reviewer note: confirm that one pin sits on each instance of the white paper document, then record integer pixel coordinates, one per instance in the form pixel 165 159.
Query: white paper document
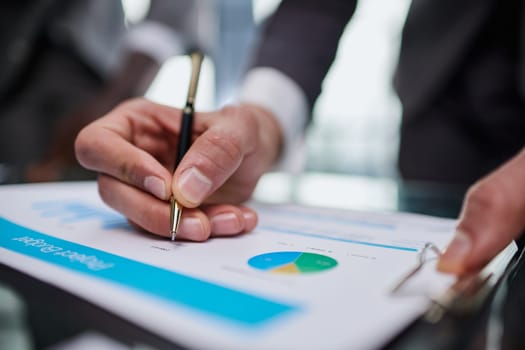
pixel 305 278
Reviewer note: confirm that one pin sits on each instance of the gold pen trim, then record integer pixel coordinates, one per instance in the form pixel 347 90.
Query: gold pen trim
pixel 196 61
pixel 175 215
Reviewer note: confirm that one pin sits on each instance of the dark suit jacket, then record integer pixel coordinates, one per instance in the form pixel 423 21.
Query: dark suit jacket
pixel 20 27
pixel 458 77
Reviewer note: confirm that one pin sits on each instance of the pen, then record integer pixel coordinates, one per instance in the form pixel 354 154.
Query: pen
pixel 185 136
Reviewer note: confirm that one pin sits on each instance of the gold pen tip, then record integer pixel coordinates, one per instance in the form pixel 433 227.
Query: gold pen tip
pixel 175 216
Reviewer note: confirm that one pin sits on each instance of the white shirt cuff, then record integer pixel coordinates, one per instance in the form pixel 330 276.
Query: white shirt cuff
pixel 155 39
pixel 276 92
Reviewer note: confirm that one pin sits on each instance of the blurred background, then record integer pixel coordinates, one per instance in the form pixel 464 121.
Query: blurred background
pixel 226 30
pixel 357 136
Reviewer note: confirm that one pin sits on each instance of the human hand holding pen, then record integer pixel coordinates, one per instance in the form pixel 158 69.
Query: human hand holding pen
pixel 132 149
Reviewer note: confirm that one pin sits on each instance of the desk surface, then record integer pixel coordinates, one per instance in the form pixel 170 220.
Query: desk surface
pixel 44 326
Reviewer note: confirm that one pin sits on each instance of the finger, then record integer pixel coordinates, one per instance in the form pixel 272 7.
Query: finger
pixel 215 155
pixel 493 215
pixel 151 213
pixel 227 220
pixel 122 144
pixel 250 218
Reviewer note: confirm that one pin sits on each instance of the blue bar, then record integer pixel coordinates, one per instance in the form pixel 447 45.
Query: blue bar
pixel 324 217
pixel 353 241
pixel 216 300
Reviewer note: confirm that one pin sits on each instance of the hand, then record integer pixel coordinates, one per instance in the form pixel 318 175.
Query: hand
pixel 134 146
pixel 493 215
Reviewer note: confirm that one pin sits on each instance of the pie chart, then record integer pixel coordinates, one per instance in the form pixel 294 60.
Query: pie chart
pixel 292 262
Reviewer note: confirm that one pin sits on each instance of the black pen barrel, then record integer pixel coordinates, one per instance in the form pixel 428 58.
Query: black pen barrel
pixel 185 133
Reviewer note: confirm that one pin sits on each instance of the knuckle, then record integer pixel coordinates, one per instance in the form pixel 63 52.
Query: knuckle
pixel 81 151
pixel 221 150
pixel 103 192
pixel 127 172
pixel 86 148
pixel 247 116
pixel 132 103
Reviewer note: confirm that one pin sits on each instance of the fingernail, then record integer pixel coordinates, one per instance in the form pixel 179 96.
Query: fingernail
pixel 453 257
pixel 155 186
pixel 225 223
pixel 194 186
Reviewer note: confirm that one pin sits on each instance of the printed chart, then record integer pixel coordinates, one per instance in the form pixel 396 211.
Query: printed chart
pixel 292 262
pixel 301 267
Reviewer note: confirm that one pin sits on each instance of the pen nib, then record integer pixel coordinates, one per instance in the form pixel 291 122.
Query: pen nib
pixel 176 213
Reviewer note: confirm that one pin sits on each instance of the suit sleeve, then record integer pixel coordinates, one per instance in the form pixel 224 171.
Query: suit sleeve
pixel 301 39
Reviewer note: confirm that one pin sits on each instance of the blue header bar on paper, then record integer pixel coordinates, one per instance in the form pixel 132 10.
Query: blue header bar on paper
pixel 213 299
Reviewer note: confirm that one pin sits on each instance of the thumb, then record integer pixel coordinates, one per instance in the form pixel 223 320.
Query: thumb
pixel 215 155
pixel 493 215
